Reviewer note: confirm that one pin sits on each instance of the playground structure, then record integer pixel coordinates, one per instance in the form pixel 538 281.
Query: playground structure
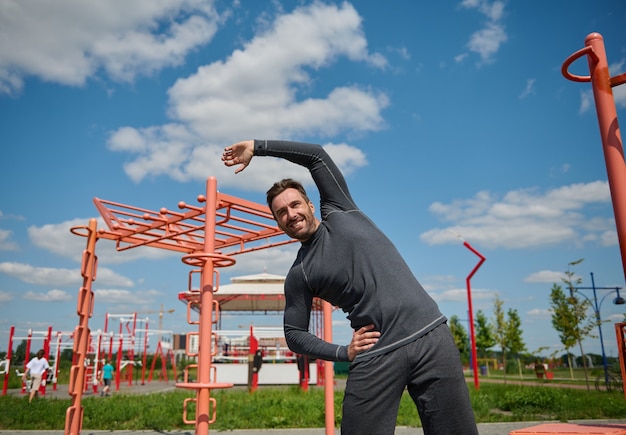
pixel 208 236
pixel 128 342
pixel 131 342
pixel 46 337
pixel 602 85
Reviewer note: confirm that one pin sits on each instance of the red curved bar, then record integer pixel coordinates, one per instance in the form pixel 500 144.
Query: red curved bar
pixel 565 68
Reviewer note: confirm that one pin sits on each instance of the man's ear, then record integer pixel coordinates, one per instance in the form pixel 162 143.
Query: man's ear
pixel 312 207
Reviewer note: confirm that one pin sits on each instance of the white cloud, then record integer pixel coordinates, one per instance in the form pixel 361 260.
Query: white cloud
pixel 50 296
pixel 59 277
pixel 524 218
pixel 529 89
pixel 275 261
pixel 67 42
pixel 460 295
pixel 58 239
pixel 545 276
pixel 619 92
pixel 487 41
pixel 5 243
pixel 586 101
pixel 539 313
pixel 5 296
pixel 493 11
pixel 260 91
pixel 126 297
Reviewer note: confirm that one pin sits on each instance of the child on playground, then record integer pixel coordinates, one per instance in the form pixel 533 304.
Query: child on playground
pixel 106 377
pixel 37 368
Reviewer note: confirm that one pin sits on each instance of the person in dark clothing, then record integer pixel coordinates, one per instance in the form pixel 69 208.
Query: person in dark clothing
pixel 400 339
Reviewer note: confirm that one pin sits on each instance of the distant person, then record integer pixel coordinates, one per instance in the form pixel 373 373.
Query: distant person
pixel 37 368
pixel 106 378
pixel 400 338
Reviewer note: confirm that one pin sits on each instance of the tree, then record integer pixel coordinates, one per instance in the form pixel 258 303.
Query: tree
pixel 67 354
pixel 514 342
pixel 461 338
pixel 500 329
pixel 20 353
pixel 484 334
pixel 567 315
pixel 580 308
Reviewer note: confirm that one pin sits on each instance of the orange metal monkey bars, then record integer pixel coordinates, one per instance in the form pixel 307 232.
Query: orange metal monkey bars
pixel 209 236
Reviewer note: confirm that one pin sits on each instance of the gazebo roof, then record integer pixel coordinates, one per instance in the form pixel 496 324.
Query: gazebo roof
pixel 261 292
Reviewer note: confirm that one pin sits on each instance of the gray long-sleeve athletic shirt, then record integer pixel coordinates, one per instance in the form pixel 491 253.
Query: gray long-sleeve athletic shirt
pixel 350 263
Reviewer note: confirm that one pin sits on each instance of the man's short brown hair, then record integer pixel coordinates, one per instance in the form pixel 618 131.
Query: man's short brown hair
pixel 282 185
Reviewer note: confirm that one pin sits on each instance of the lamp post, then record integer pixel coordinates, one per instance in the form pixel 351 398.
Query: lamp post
pixel 596 308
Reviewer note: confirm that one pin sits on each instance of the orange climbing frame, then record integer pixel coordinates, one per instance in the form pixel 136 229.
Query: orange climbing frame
pixel 209 236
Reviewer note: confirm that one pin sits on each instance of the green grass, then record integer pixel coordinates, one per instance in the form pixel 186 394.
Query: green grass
pixel 289 407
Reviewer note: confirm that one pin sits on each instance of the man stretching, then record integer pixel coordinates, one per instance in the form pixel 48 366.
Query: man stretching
pixel 400 337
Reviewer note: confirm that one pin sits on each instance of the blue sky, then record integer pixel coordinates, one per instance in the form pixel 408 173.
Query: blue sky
pixel 448 118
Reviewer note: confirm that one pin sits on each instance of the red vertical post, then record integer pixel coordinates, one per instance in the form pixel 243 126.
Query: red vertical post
pixel 145 354
pixel 118 364
pixel 27 355
pixel 253 381
pixel 8 357
pixel 620 334
pixel 46 353
pixel 602 84
pixel 329 372
pixel 471 313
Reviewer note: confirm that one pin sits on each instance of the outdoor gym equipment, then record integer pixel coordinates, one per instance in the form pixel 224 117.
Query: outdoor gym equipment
pixel 208 236
pixel 602 84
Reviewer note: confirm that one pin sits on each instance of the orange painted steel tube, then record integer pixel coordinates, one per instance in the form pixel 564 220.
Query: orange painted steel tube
pixel 206 312
pixel 602 83
pixel 74 414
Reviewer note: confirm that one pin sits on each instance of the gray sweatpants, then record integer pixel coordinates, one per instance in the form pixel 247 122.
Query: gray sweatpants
pixel 430 368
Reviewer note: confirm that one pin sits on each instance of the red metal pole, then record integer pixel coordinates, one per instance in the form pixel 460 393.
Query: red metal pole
pixel 329 380
pixel 602 84
pixel 471 313
pixel 145 354
pixel 203 395
pixel 74 414
pixel 253 382
pixel 8 357
pixel 46 350
pixel 27 355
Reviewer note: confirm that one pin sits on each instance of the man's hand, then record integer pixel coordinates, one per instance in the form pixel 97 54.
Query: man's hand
pixel 239 153
pixel 363 339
